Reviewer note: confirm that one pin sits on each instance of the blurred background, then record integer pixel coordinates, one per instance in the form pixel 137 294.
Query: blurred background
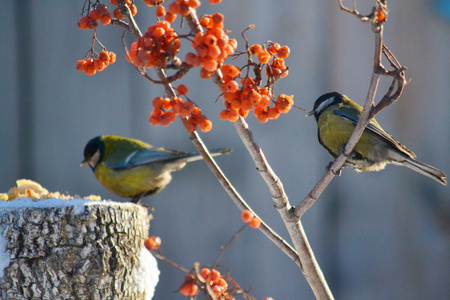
pixel 382 235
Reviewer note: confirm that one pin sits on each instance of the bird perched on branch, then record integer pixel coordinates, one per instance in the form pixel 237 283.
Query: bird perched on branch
pixel 337 116
pixel 133 169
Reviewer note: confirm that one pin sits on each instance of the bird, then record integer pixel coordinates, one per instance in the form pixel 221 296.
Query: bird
pixel 132 168
pixel 337 116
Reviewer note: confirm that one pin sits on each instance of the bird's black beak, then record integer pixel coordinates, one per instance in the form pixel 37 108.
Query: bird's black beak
pixel 310 113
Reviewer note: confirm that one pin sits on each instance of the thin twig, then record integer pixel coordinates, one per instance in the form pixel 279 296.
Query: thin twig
pixel 158 255
pixel 225 247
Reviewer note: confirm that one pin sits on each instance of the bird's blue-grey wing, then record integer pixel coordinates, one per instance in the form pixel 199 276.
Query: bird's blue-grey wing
pixel 147 156
pixel 377 131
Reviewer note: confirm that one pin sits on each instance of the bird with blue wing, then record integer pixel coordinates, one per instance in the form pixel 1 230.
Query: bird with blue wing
pixel 337 116
pixel 134 169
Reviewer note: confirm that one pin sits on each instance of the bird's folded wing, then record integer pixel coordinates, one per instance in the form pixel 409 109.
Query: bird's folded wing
pixel 372 127
pixel 147 156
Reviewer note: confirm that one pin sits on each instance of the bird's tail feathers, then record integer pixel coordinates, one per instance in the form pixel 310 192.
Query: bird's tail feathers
pixel 427 170
pixel 196 156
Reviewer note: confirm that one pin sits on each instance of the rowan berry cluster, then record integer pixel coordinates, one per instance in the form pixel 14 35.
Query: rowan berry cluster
pixel 240 99
pixel 118 14
pixel 212 46
pixel 249 217
pixel 211 277
pixel 100 13
pixel 161 115
pixel 96 62
pixel 154 47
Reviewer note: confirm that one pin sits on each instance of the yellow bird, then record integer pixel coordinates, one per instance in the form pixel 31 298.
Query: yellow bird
pixel 133 169
pixel 337 116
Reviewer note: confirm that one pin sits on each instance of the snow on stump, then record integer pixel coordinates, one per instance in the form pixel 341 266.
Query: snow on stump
pixel 74 249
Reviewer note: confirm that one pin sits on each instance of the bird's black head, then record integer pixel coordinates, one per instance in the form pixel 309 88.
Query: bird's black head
pixel 94 152
pixel 323 102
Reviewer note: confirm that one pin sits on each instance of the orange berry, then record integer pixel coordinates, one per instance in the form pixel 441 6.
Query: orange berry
pixel 264 56
pixel 233 43
pixel 189 288
pixel 205 124
pixel 83 23
pixel 221 284
pixel 191 125
pixel 157 102
pixel 206 21
pixel 205 74
pixel 202 51
pixel 235 104
pixel 247 215
pixel 81 65
pixel 99 65
pixel 230 70
pixel 90 69
pixel 224 114
pixel 92 24
pixel 106 18
pixel 210 65
pixel 217 18
pixel 101 10
pixel 230 86
pixel 154 116
pixel 233 115
pixel 104 56
pixel 204 273
pixel 283 52
pixel 182 90
pixel 212 2
pixel 114 2
pixel 243 113
pixel 133 9
pixel 214 51
pixel 380 16
pixel 265 101
pixel 274 47
pixel 184 9
pixel 234 71
pixel 255 49
pixel 112 57
pixel 255 223
pixel 118 14
pixel 167 118
pixel 174 8
pixel 284 103
pixel 193 3
pixel 273 113
pixel 158 32
pixel 160 11
pixel 213 276
pixel 246 105
pixel 152 242
pixel 170 17
pixel 93 14
pixel 192 59
pixel 254 97
pixel 210 40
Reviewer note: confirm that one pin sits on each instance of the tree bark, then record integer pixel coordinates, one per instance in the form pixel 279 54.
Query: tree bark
pixel 76 249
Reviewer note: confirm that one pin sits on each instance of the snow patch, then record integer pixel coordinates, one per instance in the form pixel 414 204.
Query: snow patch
pixel 147 275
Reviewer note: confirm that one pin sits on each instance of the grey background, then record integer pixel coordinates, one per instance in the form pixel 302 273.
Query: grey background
pixel 376 235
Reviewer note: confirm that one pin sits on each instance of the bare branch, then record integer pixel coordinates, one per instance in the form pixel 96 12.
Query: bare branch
pixel 366 115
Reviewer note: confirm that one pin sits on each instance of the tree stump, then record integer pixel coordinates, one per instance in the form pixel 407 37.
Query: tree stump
pixel 74 249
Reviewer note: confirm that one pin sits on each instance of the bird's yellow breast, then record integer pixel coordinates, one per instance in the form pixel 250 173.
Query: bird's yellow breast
pixel 334 133
pixel 133 181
